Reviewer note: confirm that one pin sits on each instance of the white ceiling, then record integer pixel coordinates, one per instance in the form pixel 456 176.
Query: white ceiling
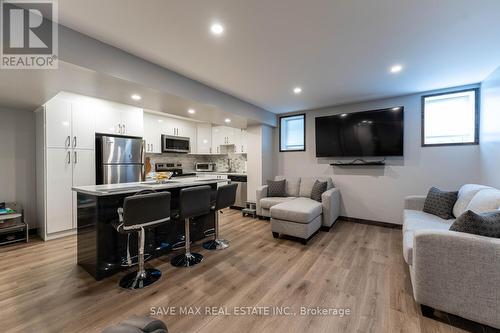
pixel 337 51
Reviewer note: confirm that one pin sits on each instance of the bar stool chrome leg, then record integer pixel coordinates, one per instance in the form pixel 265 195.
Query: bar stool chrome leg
pixel 144 276
pixel 187 259
pixel 217 243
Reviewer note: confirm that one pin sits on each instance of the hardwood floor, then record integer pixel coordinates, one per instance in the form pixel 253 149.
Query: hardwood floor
pixel 353 266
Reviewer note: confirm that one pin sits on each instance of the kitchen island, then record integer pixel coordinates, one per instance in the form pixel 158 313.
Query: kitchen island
pixel 101 250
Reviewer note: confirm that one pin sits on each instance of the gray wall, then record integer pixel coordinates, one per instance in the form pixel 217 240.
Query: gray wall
pixel 377 193
pixel 490 130
pixel 17 160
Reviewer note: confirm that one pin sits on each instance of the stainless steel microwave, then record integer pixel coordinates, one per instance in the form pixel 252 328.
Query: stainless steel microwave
pixel 205 166
pixel 174 144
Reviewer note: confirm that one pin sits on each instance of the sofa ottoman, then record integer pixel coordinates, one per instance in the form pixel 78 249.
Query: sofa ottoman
pixel 300 218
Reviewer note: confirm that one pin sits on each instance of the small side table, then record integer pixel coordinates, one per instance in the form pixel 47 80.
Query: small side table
pixel 12 226
pixel 250 209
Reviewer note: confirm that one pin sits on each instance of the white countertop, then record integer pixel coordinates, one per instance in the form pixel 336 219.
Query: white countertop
pixel 221 173
pixel 113 189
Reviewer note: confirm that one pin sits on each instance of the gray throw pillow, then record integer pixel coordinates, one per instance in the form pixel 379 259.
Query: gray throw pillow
pixel 484 224
pixel 276 188
pixel 318 189
pixel 440 203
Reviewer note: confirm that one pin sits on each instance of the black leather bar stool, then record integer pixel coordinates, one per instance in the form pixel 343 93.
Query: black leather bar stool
pixel 193 202
pixel 140 211
pixel 226 196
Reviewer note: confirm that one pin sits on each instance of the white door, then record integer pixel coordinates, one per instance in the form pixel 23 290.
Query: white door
pixel 203 138
pixel 59 195
pixel 243 141
pixel 83 173
pixel 108 120
pixel 58 123
pixel 83 127
pixel 132 122
pixel 153 132
pixel 170 126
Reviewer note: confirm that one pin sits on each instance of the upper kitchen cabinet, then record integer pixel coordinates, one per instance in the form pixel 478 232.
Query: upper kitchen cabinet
pixel 119 119
pixel 179 127
pixel 240 144
pixel 228 136
pixel 69 125
pixel 83 126
pixel 153 132
pixel 58 123
pixel 203 138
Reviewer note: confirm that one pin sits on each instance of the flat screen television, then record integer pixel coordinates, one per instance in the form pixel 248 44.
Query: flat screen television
pixel 368 133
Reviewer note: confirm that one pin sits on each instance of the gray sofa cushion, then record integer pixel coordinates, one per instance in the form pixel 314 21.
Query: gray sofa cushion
pixel 317 190
pixel 276 188
pixel 484 224
pixel 307 183
pixel 465 195
pixel 300 210
pixel 440 203
pixel 292 185
pixel 267 203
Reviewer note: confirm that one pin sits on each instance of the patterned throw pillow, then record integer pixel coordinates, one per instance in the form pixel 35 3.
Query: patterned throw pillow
pixel 484 224
pixel 318 189
pixel 440 203
pixel 276 188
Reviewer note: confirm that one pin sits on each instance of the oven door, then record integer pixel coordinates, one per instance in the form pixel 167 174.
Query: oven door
pixel 174 144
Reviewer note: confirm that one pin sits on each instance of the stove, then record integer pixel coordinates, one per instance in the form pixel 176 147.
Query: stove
pixel 175 168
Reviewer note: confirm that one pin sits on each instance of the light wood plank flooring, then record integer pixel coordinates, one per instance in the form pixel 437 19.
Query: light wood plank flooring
pixel 353 266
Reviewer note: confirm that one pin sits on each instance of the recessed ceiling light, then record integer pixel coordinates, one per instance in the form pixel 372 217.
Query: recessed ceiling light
pixel 160 120
pixel 217 29
pixel 297 90
pixel 396 68
pixel 191 111
pixel 227 120
pixel 136 97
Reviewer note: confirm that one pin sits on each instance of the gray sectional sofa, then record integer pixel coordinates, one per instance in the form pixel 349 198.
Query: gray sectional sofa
pixel 455 272
pixel 297 214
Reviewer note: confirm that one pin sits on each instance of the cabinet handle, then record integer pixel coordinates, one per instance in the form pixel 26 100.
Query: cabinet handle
pixel 69 157
pixel 75 158
pixel 68 141
pixel 74 141
pixel 119 128
pixel 124 129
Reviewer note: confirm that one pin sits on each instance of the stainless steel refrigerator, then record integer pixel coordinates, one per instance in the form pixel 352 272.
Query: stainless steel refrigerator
pixel 119 160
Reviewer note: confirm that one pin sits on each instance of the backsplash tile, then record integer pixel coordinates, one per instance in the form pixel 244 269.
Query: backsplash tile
pixel 188 161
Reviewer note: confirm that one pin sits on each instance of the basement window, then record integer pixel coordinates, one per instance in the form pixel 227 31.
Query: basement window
pixel 451 119
pixel 293 133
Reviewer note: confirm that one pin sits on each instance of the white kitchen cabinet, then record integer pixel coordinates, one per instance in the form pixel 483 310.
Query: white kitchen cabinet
pixel 240 142
pixel 112 118
pixel 108 120
pixel 60 168
pixel 132 121
pixel 82 126
pixel 59 175
pixel 58 121
pixel 203 138
pixel 153 132
pixel 218 138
